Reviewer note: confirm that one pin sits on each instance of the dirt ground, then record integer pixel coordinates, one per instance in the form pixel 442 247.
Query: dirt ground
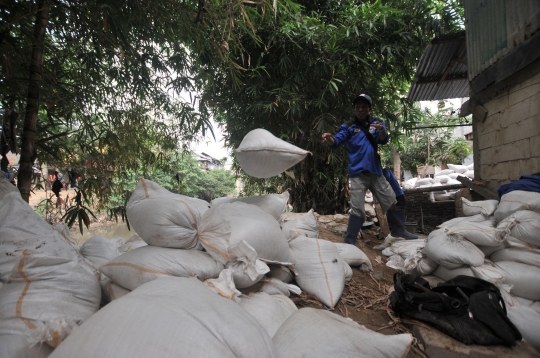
pixel 365 298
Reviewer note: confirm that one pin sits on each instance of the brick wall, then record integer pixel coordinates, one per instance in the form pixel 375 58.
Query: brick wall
pixel 509 138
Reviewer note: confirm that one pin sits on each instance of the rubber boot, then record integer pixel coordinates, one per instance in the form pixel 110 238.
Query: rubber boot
pixel 396 220
pixel 355 224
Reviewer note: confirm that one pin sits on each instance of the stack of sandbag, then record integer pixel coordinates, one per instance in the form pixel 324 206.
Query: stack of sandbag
pixel 301 225
pixel 167 242
pixel 262 155
pixel 273 204
pixel 170 317
pixel 498 242
pixel 314 333
pixel 244 238
pixel 407 256
pixel 48 287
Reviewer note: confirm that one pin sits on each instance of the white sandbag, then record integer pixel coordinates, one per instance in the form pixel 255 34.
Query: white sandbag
pixel 262 155
pixel 47 297
pixel 280 272
pixel 116 291
pixel 425 266
pixel 246 269
pixel 354 256
pixel 485 221
pixel 314 333
pixel 470 166
pixel 528 257
pixel 134 242
pixel 525 279
pixel 410 184
pixel 452 251
pixel 269 310
pixel 348 271
pixel 22 228
pixel 169 317
pixel 452 181
pixel 409 250
pixel 489 250
pixel 444 172
pixel 484 207
pixel 524 225
pixel 515 201
pixel 423 181
pixel 433 280
pixel 319 269
pixel 485 272
pixel 441 197
pixel 227 225
pixel 458 168
pixel 273 204
pixel 99 250
pixel 388 240
pixel 478 233
pixel 224 286
pixel 305 224
pixel 452 194
pixel 527 321
pixel 273 286
pixel 165 219
pixel 14 345
pixel 443 179
pixel 147 263
pixel 469 174
pixel 454 176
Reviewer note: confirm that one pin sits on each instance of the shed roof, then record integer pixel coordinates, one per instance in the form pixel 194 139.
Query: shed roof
pixel 442 70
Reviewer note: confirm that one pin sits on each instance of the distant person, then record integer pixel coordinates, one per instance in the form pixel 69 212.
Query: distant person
pixel 56 187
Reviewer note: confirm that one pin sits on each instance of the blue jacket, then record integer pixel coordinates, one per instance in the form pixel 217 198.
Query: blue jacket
pixel 362 156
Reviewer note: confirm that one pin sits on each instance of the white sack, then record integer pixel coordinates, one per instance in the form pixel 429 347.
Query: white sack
pixel 13 345
pixel 246 268
pixel 348 271
pixel 166 318
pixel 273 204
pixel 99 250
pixel 489 250
pixel 22 228
pixel 452 251
pixel 423 181
pixel 116 291
pixel 227 225
pixel 454 176
pixel 470 166
pixel 478 233
pixel 409 250
pixel 458 168
pixel 527 321
pixel 269 311
pixel 273 286
pixel 485 272
pixel 319 269
pixel 444 172
pixel 147 263
pixel 410 184
pixel 517 200
pixel 525 279
pixel 484 207
pixel 443 179
pixel 134 242
pixel 317 333
pixel 425 266
pixel 165 219
pixel 262 155
pixel 47 297
pixel 524 225
pixel 528 257
pixel 485 221
pixel 469 174
pixel 224 285
pixel 354 256
pixel 306 224
pixel 281 272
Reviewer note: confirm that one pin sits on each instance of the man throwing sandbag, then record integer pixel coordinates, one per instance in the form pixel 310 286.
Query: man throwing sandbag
pixel 362 137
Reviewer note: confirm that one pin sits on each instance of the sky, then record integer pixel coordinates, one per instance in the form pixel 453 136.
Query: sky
pixel 214 148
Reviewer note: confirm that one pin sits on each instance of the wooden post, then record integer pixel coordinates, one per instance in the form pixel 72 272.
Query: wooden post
pixel 383 222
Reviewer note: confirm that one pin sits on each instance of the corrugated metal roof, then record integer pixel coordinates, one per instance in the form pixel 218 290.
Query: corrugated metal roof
pixel 444 58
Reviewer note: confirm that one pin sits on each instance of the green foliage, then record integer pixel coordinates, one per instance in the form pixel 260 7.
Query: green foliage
pixel 301 82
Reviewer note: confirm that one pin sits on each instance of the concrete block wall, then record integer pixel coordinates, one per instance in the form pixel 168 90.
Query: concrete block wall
pixel 509 137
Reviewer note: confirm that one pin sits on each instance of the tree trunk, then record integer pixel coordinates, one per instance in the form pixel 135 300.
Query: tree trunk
pixel 397 165
pixel 28 150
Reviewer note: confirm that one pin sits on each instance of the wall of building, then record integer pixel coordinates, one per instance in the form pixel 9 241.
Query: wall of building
pixel 508 140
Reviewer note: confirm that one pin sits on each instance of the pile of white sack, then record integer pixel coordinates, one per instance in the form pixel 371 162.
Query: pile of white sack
pixel 497 241
pixel 443 178
pixel 198 279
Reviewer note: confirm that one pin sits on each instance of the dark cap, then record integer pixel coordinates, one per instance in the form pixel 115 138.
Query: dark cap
pixel 364 97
